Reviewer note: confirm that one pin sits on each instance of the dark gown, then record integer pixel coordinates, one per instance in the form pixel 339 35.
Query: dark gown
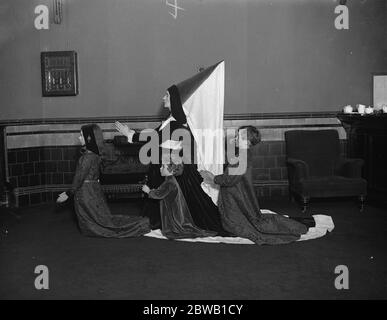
pixel 151 208
pixel 176 219
pixel 204 212
pixel 93 214
pixel 241 214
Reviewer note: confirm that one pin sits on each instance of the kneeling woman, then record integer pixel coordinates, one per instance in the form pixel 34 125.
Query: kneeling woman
pixel 176 219
pixel 93 214
pixel 238 205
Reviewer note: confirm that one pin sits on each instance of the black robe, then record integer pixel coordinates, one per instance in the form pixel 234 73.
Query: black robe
pixel 203 211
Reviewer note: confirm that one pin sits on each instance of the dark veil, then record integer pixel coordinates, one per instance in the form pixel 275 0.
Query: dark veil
pixel 176 106
pixel 93 136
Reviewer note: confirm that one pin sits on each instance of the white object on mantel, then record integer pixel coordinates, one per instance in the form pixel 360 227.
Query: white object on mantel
pixel 384 108
pixel 361 108
pixel 369 110
pixel 348 109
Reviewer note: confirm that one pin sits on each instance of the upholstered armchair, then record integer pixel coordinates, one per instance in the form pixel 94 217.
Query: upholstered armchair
pixel 316 168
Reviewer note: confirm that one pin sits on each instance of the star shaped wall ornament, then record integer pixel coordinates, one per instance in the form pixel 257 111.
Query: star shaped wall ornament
pixel 175 6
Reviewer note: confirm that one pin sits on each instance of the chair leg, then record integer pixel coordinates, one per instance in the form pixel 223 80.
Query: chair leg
pixel 362 200
pixel 305 202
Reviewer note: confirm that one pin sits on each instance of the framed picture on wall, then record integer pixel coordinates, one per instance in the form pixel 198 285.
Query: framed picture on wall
pixel 59 70
pixel 379 89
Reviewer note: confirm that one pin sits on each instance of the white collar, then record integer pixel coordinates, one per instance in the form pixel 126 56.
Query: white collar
pixel 165 123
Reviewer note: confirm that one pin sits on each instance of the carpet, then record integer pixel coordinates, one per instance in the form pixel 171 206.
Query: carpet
pixel 145 268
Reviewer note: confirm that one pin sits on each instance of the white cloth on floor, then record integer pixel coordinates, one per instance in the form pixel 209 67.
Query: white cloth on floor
pixel 324 224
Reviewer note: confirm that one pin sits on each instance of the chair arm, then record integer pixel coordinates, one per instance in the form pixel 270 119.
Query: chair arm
pixel 350 168
pixel 298 169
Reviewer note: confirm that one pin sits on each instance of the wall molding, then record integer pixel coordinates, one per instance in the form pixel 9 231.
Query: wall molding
pixel 155 118
pixel 58 133
pixel 282 126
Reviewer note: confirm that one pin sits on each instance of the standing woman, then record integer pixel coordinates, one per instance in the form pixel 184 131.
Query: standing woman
pixel 93 214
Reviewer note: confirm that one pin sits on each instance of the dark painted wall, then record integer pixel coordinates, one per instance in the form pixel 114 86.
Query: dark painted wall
pixel 281 55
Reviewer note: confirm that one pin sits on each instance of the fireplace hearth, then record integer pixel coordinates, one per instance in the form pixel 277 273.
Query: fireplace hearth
pixel 123 174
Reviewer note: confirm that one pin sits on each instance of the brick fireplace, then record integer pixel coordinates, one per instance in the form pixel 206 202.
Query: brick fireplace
pixel 38 174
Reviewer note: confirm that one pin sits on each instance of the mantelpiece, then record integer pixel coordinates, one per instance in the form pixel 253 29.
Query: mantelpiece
pixel 367 139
